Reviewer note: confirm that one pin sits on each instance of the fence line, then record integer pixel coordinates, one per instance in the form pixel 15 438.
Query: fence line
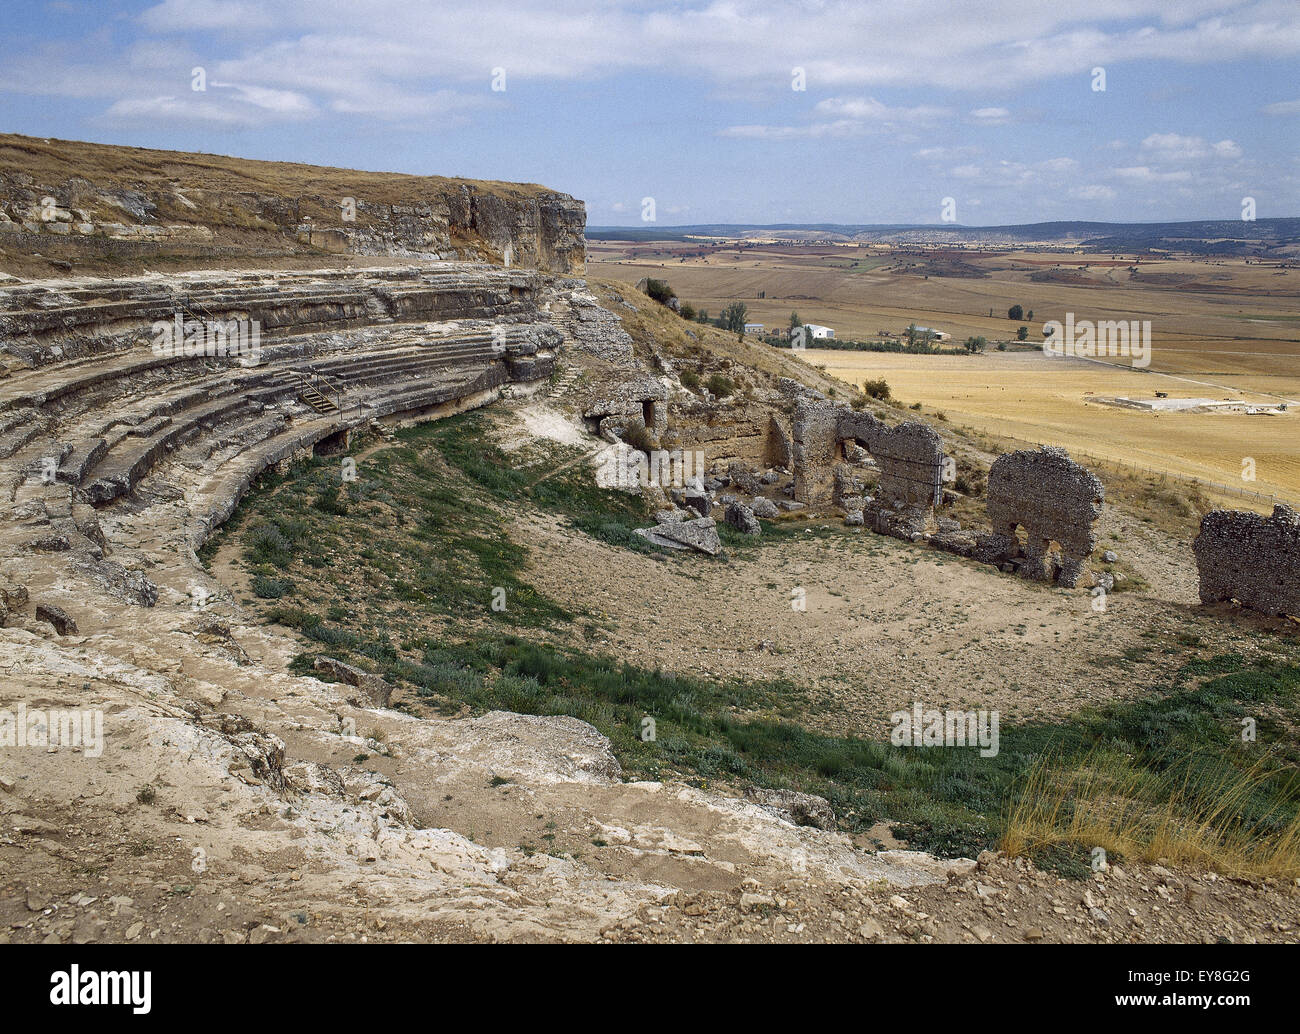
pixel 1216 485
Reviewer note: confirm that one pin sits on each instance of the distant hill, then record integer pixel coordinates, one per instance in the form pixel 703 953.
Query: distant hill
pixel 1214 236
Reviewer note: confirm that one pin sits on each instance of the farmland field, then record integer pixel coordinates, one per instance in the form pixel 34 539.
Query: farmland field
pixel 1220 329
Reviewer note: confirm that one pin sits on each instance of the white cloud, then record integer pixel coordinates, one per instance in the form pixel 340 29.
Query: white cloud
pixel 189 15
pixel 843 117
pixel 868 109
pixel 191 110
pixel 1058 165
pixel 1282 108
pixel 1094 192
pixel 1173 148
pixel 399 55
pixel 277 102
pixel 944 153
pixel 1145 174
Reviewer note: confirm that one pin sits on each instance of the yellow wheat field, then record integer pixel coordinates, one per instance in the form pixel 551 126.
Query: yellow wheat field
pixel 1220 329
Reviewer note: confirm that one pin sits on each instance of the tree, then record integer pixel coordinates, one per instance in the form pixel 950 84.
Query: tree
pixel 975 344
pixel 733 317
pixel 687 311
pixel 794 320
pixel 1016 312
pixel 702 316
pixel 1029 315
pixel 1022 334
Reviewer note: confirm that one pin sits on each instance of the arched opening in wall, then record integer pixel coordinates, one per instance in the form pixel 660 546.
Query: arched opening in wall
pixel 332 443
pixel 648 413
pixel 1054 557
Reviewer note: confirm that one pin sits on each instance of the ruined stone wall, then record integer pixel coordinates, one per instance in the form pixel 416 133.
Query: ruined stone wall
pixel 815 446
pixel 739 433
pixel 1055 500
pixel 910 457
pixel 1253 559
pixel 778 448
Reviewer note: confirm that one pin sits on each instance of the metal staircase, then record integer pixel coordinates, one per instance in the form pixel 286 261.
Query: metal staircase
pixel 318 392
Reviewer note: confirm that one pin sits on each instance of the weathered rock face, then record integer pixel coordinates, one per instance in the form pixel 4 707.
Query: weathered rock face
pixel 742 518
pixel 1253 559
pixel 48 204
pixel 700 535
pixel 1055 500
pixel 373 689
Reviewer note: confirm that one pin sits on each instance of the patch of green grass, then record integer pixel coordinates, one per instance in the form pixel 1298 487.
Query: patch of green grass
pixel 271 588
pixel 947 800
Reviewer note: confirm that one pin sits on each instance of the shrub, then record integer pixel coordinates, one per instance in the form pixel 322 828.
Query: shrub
pixel 329 502
pixel 267 544
pixel 271 588
pixel 720 385
pixel 691 381
pixel 659 290
pixel 877 389
pixel 639 437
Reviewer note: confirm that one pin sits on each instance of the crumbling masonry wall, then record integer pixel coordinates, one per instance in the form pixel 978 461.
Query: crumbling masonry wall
pixel 814 452
pixel 1250 558
pixel 1055 500
pixel 910 457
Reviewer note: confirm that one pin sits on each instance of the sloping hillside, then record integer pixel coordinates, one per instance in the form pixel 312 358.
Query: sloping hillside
pixel 98 208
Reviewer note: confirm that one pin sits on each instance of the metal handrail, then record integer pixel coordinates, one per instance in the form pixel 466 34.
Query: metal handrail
pixel 316 381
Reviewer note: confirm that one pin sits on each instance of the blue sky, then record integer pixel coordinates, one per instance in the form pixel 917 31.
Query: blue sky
pixel 905 102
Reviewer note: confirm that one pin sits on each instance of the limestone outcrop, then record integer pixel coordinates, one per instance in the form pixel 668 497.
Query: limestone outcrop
pixel 700 535
pixel 52 203
pixel 101 421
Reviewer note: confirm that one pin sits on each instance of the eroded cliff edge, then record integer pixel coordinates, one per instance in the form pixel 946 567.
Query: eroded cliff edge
pixel 69 205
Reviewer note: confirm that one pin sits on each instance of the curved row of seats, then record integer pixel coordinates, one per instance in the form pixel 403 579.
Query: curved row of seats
pixel 98 410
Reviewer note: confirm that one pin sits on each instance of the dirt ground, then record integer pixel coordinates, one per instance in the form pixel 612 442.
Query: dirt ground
pixel 79 875
pixel 884 623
